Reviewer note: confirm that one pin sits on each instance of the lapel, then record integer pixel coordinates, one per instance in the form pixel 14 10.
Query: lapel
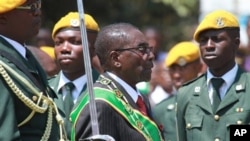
pixel 53 83
pixel 235 91
pixel 200 93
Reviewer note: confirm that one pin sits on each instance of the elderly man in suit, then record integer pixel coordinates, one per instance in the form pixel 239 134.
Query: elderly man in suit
pixel 122 112
pixel 208 105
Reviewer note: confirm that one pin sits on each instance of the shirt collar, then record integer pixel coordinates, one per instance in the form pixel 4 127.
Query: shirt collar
pixel 79 82
pixel 20 48
pixel 228 77
pixel 132 92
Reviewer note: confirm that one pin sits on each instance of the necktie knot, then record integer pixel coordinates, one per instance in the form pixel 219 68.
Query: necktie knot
pixel 69 86
pixel 217 83
pixel 142 107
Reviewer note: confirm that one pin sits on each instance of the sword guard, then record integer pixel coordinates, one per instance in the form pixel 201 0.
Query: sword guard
pixel 99 138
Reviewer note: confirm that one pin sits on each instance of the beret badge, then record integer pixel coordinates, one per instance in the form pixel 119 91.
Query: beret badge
pixel 220 22
pixel 74 22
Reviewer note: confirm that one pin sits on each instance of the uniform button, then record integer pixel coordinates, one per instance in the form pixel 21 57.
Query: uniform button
pixel 239 122
pixel 188 126
pixel 216 139
pixel 216 117
pixel 34 98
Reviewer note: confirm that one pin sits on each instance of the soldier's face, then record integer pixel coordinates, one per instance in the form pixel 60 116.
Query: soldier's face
pixel 217 49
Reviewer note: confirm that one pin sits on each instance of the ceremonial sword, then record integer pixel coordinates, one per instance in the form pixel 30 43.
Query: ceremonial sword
pixel 88 70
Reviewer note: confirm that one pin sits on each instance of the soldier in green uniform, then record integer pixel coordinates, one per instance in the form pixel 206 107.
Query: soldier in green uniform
pixel 27 110
pixel 69 55
pixel 184 64
pixel 207 106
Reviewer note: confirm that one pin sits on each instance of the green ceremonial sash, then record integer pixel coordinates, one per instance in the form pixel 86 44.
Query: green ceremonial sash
pixel 141 123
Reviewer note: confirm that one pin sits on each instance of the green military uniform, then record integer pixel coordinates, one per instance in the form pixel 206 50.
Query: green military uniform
pixel 27 111
pixel 165 116
pixel 196 120
pixel 54 82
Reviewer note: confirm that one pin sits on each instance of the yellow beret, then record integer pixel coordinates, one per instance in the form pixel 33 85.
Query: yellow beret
pixel 7 5
pixel 182 53
pixel 72 20
pixel 49 50
pixel 216 20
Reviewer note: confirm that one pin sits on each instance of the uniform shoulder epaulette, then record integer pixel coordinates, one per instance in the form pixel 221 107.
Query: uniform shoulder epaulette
pixel 191 81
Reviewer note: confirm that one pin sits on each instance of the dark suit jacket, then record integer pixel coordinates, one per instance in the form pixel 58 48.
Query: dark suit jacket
pixel 196 120
pixel 12 110
pixel 110 121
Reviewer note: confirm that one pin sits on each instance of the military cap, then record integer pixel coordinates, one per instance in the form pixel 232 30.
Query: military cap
pixel 72 20
pixel 182 53
pixel 8 5
pixel 216 20
pixel 49 50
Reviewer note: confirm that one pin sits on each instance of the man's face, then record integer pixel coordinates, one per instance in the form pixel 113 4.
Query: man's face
pixel 30 21
pixel 182 74
pixel 69 50
pixel 135 59
pixel 218 49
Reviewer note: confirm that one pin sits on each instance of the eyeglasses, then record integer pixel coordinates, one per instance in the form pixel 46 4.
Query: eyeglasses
pixel 143 49
pixel 32 7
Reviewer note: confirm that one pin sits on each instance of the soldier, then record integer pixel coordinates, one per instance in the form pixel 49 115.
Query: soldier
pixel 184 64
pixel 211 103
pixel 27 110
pixel 69 55
pixel 127 59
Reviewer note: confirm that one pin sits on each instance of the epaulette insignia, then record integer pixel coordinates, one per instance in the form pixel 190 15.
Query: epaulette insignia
pixel 118 93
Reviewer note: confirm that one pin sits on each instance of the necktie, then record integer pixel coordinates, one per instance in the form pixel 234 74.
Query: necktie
pixel 142 107
pixel 217 83
pixel 68 100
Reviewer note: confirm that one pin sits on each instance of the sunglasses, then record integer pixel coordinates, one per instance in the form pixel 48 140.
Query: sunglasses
pixel 32 7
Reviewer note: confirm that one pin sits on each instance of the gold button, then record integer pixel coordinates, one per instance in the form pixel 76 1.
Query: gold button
pixel 34 98
pixel 216 139
pixel 188 126
pixel 216 117
pixel 239 122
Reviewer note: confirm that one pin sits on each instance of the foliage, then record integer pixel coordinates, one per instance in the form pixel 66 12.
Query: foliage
pixel 175 18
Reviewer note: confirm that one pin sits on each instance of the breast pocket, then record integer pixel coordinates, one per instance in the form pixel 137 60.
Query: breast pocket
pixel 193 127
pixel 240 118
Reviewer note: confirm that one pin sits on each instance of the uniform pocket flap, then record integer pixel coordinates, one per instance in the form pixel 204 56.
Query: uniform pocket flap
pixel 193 121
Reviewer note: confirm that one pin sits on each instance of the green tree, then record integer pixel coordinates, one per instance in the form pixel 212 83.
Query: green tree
pixel 175 18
